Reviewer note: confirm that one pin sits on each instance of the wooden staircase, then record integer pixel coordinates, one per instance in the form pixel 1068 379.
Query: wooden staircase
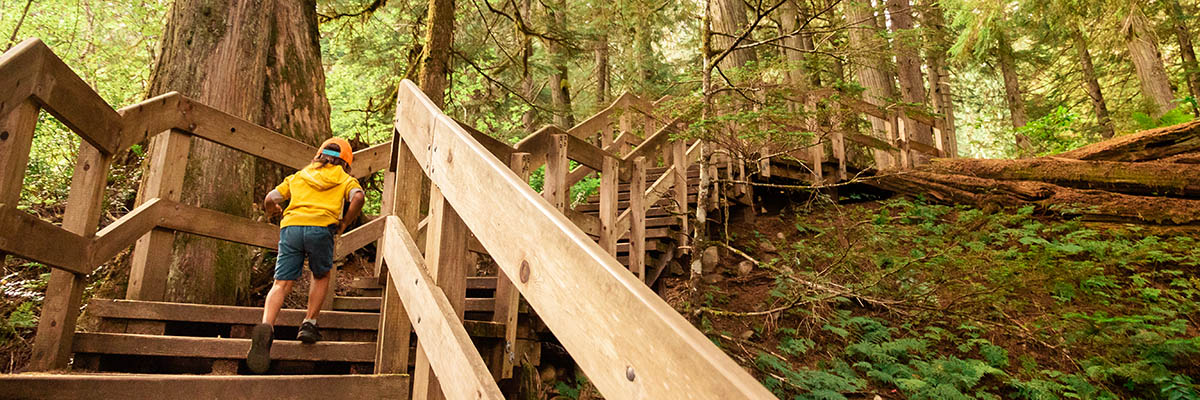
pixel 470 331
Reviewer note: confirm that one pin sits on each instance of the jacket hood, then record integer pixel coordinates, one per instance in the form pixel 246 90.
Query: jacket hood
pixel 322 178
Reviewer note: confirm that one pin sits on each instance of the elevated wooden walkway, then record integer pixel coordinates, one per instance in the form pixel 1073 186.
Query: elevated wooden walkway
pixel 421 317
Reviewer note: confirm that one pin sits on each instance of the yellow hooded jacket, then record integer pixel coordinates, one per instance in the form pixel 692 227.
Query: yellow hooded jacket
pixel 317 194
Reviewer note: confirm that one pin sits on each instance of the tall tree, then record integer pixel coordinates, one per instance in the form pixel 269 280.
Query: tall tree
pixel 938 41
pixel 1099 106
pixel 435 64
pixel 729 21
pixel 986 31
pixel 559 49
pixel 1143 51
pixel 1191 71
pixel 873 75
pixel 908 65
pixel 225 54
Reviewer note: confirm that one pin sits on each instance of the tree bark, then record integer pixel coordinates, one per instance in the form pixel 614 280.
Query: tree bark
pixel 939 75
pixel 872 67
pixel 529 119
pixel 602 72
pixel 226 54
pixel 728 21
pixel 1090 205
pixel 1093 84
pixel 1154 179
pixel 1146 145
pixel 908 65
pixel 1143 51
pixel 560 82
pixel 439 37
pixel 1012 92
pixel 1187 52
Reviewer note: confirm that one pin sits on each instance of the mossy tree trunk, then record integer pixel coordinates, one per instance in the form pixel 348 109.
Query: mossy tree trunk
pixel 257 60
pixel 435 63
pixel 873 72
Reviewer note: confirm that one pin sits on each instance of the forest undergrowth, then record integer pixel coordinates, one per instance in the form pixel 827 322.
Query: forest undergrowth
pixel 899 298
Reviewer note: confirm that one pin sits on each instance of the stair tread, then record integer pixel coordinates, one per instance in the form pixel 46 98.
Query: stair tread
pixel 221 348
pixel 186 386
pixel 165 311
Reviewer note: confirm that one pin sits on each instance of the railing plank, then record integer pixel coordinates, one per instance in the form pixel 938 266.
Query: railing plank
pixel 219 225
pixel 630 343
pixel 60 310
pixel 28 236
pixel 447 260
pixel 357 238
pixel 123 232
pixel 391 349
pixel 637 222
pixel 371 160
pixel 16 139
pixel 66 96
pixel 451 353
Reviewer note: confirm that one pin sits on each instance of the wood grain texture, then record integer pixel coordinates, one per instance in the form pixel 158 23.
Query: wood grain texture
pixel 611 323
pixel 114 386
pixel 447 261
pixel 451 354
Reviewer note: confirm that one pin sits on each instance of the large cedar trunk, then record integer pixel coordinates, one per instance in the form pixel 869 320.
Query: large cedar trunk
pixel 1152 179
pixel 1143 51
pixel 529 119
pixel 729 18
pixel 1093 84
pixel 1187 52
pixel 872 67
pixel 939 74
pixel 226 54
pixel 908 65
pixel 435 65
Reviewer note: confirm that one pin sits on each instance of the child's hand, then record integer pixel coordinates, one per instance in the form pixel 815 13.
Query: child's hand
pixel 273 209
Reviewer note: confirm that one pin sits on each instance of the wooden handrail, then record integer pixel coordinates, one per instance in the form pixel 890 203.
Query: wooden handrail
pixel 629 342
pixel 451 353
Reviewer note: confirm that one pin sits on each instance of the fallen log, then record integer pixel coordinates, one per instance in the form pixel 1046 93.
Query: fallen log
pixel 1185 158
pixel 1157 178
pixel 1146 145
pixel 1089 205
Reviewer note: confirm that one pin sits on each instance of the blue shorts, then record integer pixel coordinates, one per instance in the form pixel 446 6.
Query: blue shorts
pixel 299 242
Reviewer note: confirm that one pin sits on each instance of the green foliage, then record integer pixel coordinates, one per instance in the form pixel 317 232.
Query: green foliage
pixel 1177 115
pixel 1055 132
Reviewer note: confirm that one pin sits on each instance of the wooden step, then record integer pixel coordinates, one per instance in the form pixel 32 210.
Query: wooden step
pixel 150 386
pixel 371 304
pixel 621 205
pixel 473 283
pixel 249 316
pixel 219 348
pixel 623 195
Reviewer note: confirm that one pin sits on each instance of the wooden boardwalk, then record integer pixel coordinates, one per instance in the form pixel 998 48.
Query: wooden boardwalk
pixel 576 270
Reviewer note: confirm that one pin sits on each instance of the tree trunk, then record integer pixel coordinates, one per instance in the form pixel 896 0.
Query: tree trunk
pixel 939 75
pixel 1187 52
pixel 644 51
pixel 439 37
pixel 873 74
pixel 908 65
pixel 602 72
pixel 529 119
pixel 1090 205
pixel 560 83
pixel 1012 93
pixel 226 54
pixel 1093 84
pixel 296 85
pixel 729 18
pixel 1143 50
pixel 1152 179
pixel 1147 145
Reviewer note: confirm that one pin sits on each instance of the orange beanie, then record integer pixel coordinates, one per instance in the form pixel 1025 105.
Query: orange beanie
pixel 347 153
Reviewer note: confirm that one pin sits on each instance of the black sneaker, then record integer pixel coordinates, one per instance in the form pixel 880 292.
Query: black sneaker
pixel 309 333
pixel 259 357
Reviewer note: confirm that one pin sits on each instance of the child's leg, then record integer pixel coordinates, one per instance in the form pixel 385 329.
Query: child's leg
pixel 275 297
pixel 288 266
pixel 318 243
pixel 317 290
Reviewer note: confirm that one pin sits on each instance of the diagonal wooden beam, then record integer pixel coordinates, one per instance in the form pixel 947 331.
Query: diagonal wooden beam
pixel 357 238
pixel 28 236
pixel 450 351
pixel 124 232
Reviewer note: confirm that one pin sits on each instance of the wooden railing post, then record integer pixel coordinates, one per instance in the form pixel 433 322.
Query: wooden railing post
pixel 637 221
pixel 508 298
pixel 679 158
pixel 902 135
pixel 625 126
pixel 609 185
pixel 403 201
pixel 164 179
pixel 606 133
pixel 56 328
pixel 16 139
pixel 446 257
pixel 554 186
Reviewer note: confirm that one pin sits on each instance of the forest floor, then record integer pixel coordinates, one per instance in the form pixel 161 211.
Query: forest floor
pixel 898 298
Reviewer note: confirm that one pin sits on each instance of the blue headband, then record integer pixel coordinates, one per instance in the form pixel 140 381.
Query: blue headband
pixel 329 152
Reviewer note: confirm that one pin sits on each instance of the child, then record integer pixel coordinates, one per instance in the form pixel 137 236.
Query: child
pixel 309 224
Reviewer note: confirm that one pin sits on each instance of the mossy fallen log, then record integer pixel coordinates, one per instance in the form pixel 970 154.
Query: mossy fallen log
pixel 1090 205
pixel 1154 179
pixel 1146 145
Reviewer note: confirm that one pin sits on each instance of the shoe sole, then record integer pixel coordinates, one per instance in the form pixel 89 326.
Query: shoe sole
pixel 308 339
pixel 259 357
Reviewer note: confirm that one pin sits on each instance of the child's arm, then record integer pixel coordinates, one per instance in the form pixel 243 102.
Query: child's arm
pixel 271 203
pixel 357 198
